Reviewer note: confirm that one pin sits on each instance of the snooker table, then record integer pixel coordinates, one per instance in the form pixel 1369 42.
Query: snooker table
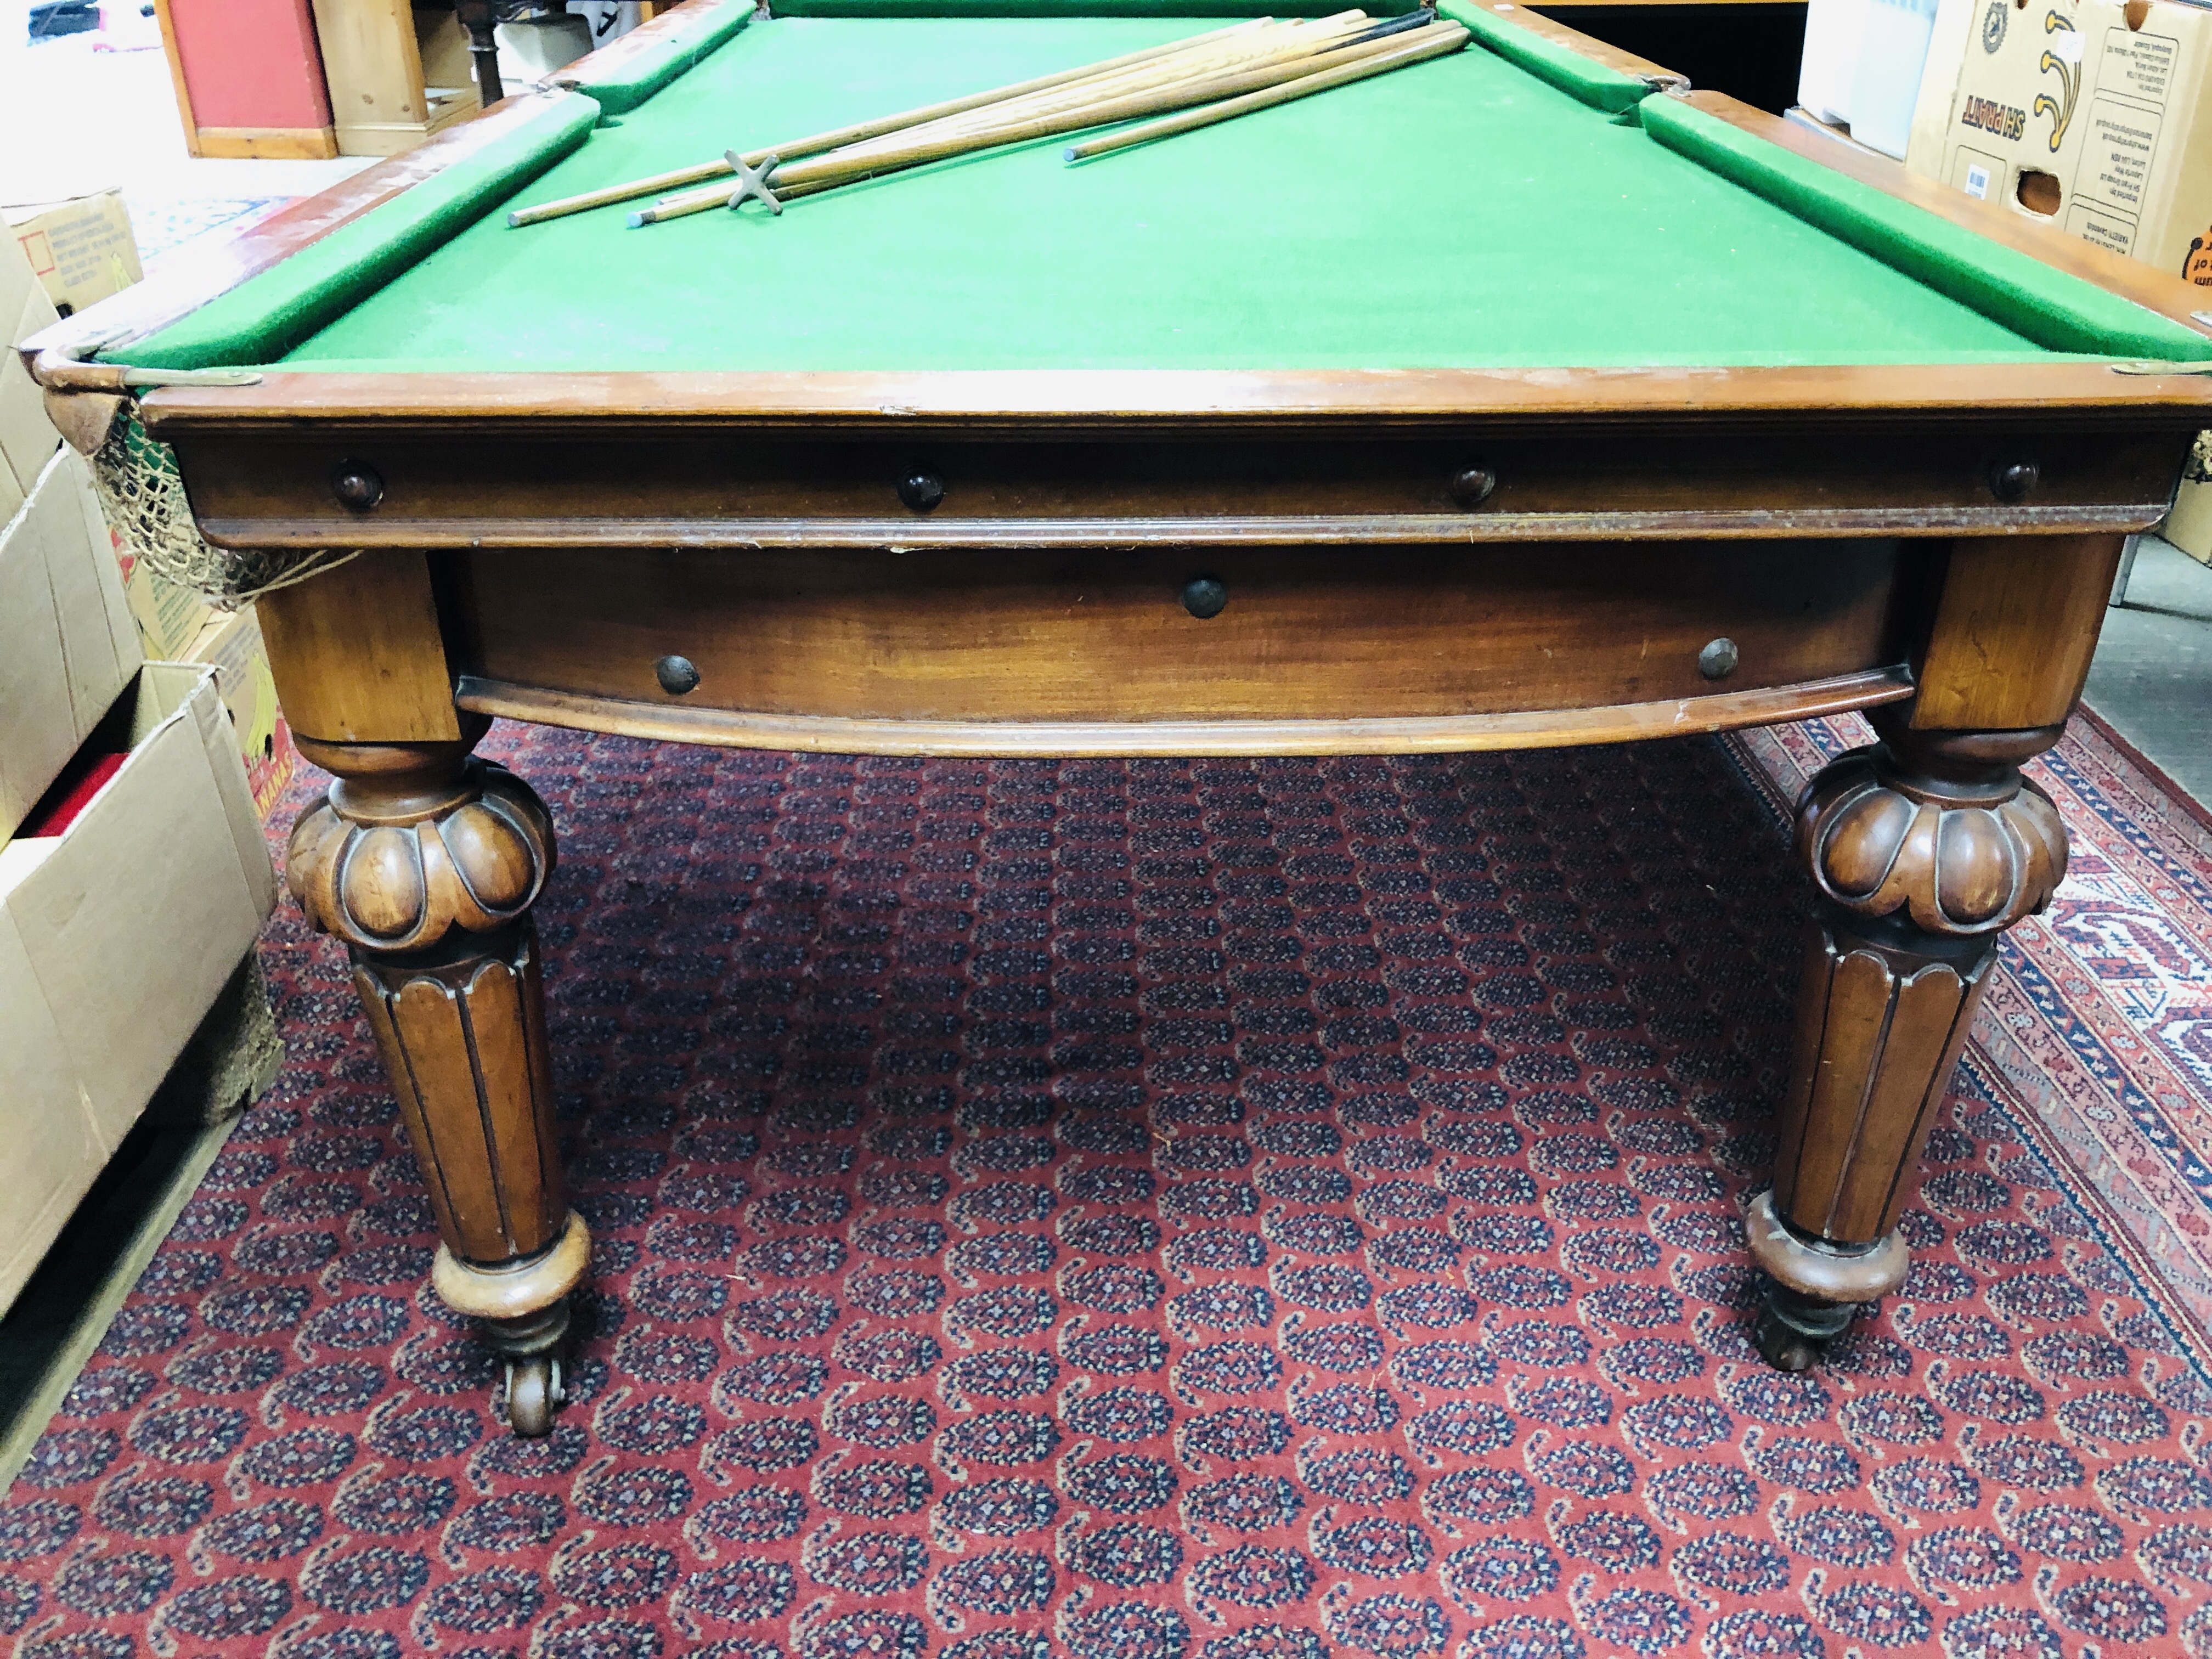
pixel 1525 396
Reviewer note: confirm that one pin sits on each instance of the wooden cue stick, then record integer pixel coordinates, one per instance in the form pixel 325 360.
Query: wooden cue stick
pixel 1414 51
pixel 861 130
pixel 1178 80
pixel 840 167
pixel 862 160
pixel 825 172
pixel 1065 81
pixel 1291 41
pixel 1211 61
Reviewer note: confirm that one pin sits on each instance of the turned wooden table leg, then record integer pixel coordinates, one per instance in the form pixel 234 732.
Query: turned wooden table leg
pixel 1924 849
pixel 426 861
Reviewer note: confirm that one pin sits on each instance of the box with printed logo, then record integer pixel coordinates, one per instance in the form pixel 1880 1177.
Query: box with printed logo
pixel 2094 113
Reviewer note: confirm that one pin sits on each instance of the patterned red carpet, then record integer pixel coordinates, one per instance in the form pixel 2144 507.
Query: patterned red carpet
pixel 1154 1211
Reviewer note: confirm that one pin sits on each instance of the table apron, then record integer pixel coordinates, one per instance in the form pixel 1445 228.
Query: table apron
pixel 734 491
pixel 1034 535
pixel 1085 650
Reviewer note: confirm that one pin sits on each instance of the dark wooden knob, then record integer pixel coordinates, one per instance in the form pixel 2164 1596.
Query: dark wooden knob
pixel 1205 597
pixel 357 485
pixel 1719 657
pixel 676 675
pixel 922 490
pixel 2016 479
pixel 1471 485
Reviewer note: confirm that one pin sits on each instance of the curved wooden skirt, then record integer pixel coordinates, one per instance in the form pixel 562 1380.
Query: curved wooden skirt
pixel 834 735
pixel 1092 651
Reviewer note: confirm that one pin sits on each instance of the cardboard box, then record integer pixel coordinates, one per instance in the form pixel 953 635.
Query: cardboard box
pixel 2189 526
pixel 1862 67
pixel 1798 116
pixel 2095 115
pixel 27 438
pixel 67 645
pixel 116 938
pixel 81 249
pixel 231 646
pixel 169 617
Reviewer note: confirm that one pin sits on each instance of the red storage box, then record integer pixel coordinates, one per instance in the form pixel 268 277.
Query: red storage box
pixel 249 78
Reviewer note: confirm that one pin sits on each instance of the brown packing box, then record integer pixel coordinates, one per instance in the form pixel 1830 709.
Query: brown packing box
pixel 116 937
pixel 2090 112
pixel 2189 526
pixel 67 646
pixel 2096 115
pixel 27 438
pixel 81 249
pixel 170 618
pixel 231 646
pixel 1798 115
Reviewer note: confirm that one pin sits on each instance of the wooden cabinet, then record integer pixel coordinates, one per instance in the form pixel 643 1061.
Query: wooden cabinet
pixel 396 73
pixel 247 79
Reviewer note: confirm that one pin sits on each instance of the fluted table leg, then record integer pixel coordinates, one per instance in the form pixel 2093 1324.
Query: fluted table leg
pixel 426 861
pixel 1924 849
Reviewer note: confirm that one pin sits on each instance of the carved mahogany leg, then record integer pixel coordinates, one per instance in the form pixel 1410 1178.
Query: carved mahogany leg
pixel 426 861
pixel 1925 847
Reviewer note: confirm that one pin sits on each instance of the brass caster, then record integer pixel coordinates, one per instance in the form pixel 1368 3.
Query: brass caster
pixel 1794 1329
pixel 531 1343
pixel 1786 1348
pixel 534 1393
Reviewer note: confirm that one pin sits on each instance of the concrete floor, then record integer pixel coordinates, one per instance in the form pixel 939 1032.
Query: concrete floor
pixel 2153 676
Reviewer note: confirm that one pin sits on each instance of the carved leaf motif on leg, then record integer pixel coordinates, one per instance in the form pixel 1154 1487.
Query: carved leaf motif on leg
pixel 400 877
pixel 1924 849
pixel 426 862
pixel 1957 867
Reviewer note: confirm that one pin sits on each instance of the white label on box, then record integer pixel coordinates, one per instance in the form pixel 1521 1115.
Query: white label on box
pixel 2138 66
pixel 2067 47
pixel 1976 172
pixel 2116 162
pixel 2103 226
